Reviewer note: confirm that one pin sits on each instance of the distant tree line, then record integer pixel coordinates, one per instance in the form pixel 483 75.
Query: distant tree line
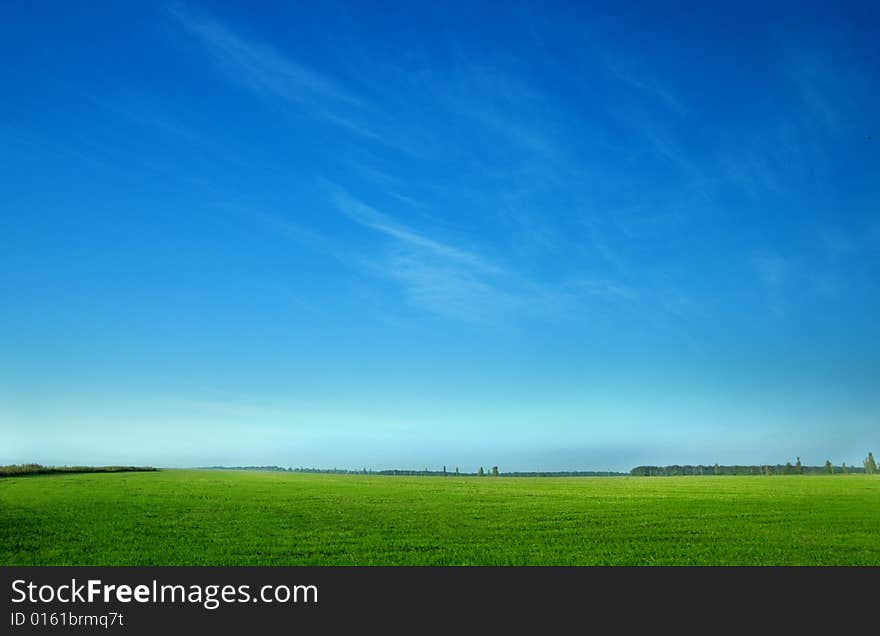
pixel 869 467
pixel 766 469
pixel 16 470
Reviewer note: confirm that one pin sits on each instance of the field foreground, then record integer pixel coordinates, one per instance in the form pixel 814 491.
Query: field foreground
pixel 178 517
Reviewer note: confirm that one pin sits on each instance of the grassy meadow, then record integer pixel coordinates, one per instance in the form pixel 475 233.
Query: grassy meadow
pixel 178 517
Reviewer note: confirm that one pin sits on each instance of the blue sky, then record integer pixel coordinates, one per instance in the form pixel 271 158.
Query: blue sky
pixel 538 237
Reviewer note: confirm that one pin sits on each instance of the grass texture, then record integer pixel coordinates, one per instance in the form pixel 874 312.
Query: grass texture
pixel 178 517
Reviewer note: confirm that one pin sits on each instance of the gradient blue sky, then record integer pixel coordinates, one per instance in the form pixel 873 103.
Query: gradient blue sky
pixel 544 237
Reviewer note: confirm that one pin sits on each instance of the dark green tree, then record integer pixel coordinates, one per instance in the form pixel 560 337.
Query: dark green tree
pixel 716 469
pixel 480 472
pixel 829 467
pixel 870 464
pixel 494 471
pixel 798 468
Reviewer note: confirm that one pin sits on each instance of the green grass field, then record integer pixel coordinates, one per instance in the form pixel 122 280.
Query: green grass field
pixel 177 517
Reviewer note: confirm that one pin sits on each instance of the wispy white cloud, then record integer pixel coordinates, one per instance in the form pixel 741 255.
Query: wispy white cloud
pixel 667 147
pixel 600 245
pixel 392 185
pixel 289 229
pixel 504 104
pixel 259 65
pixel 465 285
pixel 451 291
pixel 816 86
pixel 833 81
pixel 644 83
pixel 754 170
pixel 262 68
pixel 443 279
pixel 605 289
pixel 371 218
pixel 514 130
